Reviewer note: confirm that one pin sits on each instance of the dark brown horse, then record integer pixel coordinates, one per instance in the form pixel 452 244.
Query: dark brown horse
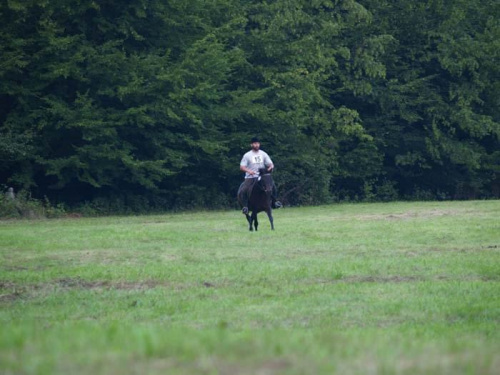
pixel 260 199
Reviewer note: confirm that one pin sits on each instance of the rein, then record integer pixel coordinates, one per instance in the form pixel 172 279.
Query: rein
pixel 262 185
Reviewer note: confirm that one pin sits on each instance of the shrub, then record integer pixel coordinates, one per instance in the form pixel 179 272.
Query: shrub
pixel 24 206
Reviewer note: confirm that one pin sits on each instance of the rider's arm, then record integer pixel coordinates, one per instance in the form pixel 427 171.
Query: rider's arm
pixel 268 162
pixel 247 170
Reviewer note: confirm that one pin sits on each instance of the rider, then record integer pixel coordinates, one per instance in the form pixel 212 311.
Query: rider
pixel 251 162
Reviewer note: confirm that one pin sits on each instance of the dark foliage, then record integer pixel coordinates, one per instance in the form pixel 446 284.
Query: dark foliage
pixel 150 104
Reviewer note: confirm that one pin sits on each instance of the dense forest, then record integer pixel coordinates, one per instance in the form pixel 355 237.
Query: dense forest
pixel 150 104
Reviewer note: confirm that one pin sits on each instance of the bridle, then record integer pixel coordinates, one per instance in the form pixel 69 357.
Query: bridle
pixel 264 185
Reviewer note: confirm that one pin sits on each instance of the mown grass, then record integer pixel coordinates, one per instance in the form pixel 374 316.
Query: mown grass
pixel 397 288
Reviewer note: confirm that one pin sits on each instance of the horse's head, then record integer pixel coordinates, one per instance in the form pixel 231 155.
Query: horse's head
pixel 265 180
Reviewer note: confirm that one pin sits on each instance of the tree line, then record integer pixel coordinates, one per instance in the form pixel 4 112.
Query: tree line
pixel 151 103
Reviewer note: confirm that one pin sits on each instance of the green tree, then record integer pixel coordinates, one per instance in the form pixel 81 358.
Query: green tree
pixel 153 102
pixel 434 117
pixel 121 99
pixel 303 64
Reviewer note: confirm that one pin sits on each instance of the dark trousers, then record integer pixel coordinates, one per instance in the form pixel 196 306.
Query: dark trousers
pixel 245 190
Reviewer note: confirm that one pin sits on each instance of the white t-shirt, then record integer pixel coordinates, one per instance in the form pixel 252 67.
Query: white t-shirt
pixel 255 160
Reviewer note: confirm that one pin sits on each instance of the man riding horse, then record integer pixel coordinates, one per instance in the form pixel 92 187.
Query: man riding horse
pixel 251 162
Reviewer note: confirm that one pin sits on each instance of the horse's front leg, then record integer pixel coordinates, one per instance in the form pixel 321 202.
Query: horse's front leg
pixel 255 221
pixel 249 219
pixel 270 216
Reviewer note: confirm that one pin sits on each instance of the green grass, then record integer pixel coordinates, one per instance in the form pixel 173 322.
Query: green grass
pixel 396 288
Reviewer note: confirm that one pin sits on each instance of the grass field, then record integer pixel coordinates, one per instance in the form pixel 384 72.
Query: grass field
pixel 395 288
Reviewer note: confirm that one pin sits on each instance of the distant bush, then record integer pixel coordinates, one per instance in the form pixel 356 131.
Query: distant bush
pixel 24 206
pixel 387 192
